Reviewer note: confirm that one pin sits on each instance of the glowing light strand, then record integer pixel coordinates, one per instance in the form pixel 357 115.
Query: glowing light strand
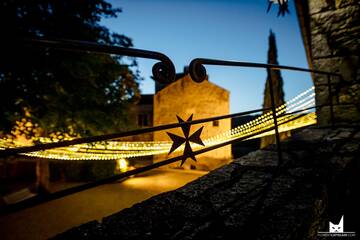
pixel 113 150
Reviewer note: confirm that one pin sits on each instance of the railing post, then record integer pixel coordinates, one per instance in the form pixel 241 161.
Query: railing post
pixel 330 100
pixel 273 109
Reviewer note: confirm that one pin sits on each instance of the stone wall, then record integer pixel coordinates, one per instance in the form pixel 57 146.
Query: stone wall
pixel 254 197
pixel 185 97
pixel 335 47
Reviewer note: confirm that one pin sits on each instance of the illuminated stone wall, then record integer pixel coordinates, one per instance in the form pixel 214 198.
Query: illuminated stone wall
pixel 334 39
pixel 185 97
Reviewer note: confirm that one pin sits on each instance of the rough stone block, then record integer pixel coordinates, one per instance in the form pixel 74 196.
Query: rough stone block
pixel 250 183
pixel 310 135
pixel 345 66
pixel 337 31
pixel 330 64
pixel 347 114
pixel 350 94
pixel 338 134
pixel 345 99
pixel 345 42
pixel 322 79
pixel 323 116
pixel 348 67
pixel 219 177
pixel 345 3
pixel 322 95
pixel 320 6
pixel 320 46
pixel 259 158
pixel 343 114
pixel 337 19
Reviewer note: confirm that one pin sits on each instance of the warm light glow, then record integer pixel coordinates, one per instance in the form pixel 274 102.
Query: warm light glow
pixel 115 150
pixel 121 165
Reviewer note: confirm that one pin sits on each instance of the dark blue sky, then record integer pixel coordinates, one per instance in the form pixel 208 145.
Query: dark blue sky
pixel 223 29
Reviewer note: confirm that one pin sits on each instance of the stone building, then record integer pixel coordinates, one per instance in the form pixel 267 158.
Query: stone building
pixel 185 97
pixel 331 35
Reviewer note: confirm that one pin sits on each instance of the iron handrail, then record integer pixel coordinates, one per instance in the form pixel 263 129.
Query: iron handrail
pixel 39 199
pixel 12 151
pixel 198 74
pixel 163 71
pixel 198 71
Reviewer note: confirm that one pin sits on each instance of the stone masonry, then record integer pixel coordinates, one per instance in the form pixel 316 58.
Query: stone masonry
pixel 334 28
pixel 253 197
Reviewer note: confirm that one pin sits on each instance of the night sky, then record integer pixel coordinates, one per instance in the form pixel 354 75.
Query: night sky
pixel 226 29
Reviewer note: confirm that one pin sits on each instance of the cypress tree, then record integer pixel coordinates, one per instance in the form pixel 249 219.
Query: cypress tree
pixel 275 75
pixel 277 85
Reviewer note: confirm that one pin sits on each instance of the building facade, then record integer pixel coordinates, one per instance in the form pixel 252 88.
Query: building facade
pixel 185 97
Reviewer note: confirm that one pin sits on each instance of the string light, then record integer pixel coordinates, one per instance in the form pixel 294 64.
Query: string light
pixel 121 165
pixel 116 150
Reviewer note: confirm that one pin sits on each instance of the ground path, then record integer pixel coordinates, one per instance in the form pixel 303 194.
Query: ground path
pixel 49 219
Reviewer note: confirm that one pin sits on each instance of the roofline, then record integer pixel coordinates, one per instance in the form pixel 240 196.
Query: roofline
pixel 218 86
pixel 188 75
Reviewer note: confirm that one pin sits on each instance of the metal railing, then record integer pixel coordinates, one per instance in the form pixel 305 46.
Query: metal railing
pixel 198 74
pixel 163 72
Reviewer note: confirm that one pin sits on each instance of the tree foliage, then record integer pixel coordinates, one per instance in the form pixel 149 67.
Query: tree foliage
pixel 58 90
pixel 275 75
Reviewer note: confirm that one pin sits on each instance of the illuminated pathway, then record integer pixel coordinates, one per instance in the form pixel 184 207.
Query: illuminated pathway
pixel 115 150
pixel 48 219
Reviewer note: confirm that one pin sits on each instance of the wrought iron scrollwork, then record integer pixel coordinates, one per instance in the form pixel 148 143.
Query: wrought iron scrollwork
pixel 197 70
pixel 163 71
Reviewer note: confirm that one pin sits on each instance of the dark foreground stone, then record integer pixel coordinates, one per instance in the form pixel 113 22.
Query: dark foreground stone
pixel 254 197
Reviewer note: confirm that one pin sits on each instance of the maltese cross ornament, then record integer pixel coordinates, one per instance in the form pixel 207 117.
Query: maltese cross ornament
pixel 178 140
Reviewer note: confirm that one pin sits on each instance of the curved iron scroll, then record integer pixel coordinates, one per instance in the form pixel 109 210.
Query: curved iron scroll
pixel 163 71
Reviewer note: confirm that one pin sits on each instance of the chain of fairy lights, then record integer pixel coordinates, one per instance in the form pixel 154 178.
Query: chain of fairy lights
pixel 112 150
pixel 266 120
pixel 79 153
